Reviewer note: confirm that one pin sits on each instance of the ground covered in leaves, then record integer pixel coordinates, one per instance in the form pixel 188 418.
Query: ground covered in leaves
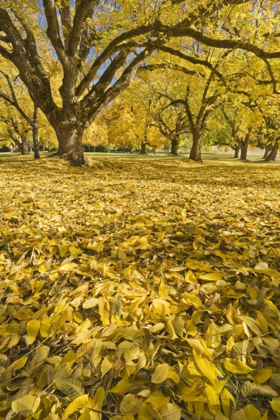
pixel 143 289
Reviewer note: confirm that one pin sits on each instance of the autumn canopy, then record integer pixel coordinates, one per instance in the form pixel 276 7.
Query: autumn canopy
pixel 75 58
pixel 137 286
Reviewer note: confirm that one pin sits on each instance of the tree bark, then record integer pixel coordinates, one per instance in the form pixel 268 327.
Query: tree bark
pixel 174 146
pixel 244 147
pixel 236 151
pixel 267 151
pixel 24 149
pixel 70 143
pixel 21 142
pixel 35 134
pixel 195 153
pixel 272 154
pixel 143 150
pixel 244 151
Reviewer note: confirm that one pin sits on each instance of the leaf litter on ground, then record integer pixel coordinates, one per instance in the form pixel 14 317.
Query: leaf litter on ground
pixel 139 289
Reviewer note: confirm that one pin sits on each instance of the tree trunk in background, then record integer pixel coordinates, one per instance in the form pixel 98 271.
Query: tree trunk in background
pixel 196 146
pixel 35 134
pixel 267 151
pixel 21 143
pixel 244 147
pixel 272 154
pixel 174 146
pixel 24 149
pixel 244 152
pixel 143 150
pixel 236 151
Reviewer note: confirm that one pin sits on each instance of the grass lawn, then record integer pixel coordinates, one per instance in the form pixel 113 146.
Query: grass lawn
pixel 139 288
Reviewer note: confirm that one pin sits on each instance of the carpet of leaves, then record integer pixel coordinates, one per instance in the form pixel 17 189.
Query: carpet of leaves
pixel 139 289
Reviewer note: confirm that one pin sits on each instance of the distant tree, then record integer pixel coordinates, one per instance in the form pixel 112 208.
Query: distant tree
pixel 12 99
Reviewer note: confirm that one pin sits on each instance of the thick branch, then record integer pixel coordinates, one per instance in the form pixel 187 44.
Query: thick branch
pixel 176 67
pixel 82 10
pixel 6 54
pixel 5 38
pixel 25 57
pixel 53 30
pixel 177 31
pixel 119 86
pixel 186 57
pixel 108 75
pixel 65 15
pixel 109 50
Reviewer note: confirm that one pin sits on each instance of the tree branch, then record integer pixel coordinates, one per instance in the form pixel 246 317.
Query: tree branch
pixel 189 113
pixel 65 15
pixel 176 67
pixel 53 30
pixel 120 85
pixel 5 38
pixel 25 57
pixel 113 47
pixel 177 31
pixel 14 101
pixel 107 76
pixel 186 57
pixel 82 10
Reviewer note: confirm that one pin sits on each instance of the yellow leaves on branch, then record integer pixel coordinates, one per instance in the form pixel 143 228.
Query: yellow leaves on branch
pixel 152 291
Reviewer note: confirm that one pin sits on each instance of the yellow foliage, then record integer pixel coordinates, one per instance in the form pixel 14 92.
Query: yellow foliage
pixel 132 294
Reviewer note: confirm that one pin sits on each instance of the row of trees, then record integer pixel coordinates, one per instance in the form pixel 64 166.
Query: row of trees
pixel 152 113
pixel 149 72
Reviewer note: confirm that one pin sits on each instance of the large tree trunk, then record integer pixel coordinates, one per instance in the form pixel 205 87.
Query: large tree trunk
pixel 174 146
pixel 35 134
pixel 236 151
pixel 273 154
pixel 195 153
pixel 70 143
pixel 143 150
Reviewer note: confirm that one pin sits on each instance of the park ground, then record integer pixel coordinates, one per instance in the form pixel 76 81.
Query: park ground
pixel 139 288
